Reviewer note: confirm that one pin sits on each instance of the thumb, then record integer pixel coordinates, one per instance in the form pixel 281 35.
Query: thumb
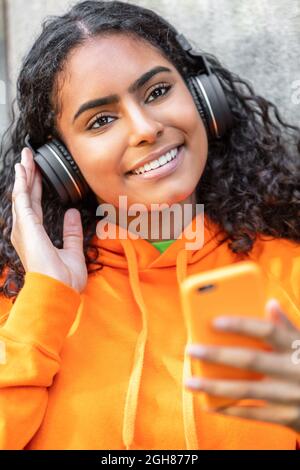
pixel 72 231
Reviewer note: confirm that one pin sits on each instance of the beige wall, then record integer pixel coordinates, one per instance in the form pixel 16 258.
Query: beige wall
pixel 258 39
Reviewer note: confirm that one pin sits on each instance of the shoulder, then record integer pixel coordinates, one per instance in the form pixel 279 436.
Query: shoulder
pixel 279 260
pixel 278 255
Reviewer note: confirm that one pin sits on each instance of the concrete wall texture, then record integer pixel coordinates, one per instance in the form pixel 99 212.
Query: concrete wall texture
pixel 3 78
pixel 257 39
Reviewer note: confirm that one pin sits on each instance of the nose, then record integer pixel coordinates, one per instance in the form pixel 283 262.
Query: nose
pixel 144 128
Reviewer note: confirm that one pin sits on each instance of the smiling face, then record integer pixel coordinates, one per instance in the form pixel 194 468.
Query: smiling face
pixel 111 139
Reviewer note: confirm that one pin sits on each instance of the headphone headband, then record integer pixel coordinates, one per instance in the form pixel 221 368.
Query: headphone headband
pixel 208 93
pixel 196 56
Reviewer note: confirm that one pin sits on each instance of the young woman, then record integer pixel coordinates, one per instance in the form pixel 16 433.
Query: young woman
pixel 93 341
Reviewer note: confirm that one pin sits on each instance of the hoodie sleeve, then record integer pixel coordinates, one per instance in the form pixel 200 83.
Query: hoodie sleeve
pixel 282 260
pixel 32 333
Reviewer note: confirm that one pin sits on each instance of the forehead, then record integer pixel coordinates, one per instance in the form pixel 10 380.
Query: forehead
pixel 105 65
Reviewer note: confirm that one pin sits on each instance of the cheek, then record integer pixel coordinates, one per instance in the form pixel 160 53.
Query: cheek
pixel 194 124
pixel 187 114
pixel 99 157
pixel 194 128
pixel 101 166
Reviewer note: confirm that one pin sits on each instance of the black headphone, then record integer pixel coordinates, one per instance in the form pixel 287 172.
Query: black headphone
pixel 60 172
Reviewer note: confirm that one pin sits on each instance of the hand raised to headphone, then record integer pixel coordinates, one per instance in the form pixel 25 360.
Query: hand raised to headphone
pixel 29 237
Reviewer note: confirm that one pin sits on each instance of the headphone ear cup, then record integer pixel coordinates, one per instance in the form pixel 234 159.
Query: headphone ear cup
pixel 216 111
pixel 60 172
pixel 200 104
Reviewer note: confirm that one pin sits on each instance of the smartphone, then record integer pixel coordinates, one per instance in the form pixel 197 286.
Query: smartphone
pixel 234 290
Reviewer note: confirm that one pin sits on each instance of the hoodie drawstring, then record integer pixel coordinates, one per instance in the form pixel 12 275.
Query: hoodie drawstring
pixel 187 397
pixel 131 402
pixel 135 377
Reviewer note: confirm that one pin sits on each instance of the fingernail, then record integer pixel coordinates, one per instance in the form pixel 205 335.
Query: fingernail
pixel 272 303
pixel 22 157
pixel 194 382
pixel 72 216
pixel 196 350
pixel 221 322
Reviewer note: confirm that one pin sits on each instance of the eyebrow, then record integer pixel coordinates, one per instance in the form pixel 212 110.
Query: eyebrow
pixel 111 99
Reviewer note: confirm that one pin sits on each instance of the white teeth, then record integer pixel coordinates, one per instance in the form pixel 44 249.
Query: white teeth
pixel 162 160
pixel 154 164
pixel 157 163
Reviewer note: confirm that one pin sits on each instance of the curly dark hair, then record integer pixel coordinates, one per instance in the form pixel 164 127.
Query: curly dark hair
pixel 250 182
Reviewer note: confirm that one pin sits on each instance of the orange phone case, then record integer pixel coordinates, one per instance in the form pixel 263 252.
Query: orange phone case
pixel 235 290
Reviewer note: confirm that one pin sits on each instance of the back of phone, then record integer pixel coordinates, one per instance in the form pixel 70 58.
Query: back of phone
pixel 235 290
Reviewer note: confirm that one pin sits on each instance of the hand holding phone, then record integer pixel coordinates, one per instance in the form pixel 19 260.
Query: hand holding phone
pixel 235 290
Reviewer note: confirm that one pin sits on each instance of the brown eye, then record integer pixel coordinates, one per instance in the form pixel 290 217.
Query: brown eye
pixel 98 120
pixel 157 92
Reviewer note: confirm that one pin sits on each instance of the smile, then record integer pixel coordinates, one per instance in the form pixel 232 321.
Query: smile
pixel 163 166
pixel 161 161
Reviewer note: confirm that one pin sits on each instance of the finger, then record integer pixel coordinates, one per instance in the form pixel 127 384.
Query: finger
pixel 20 196
pixel 72 231
pixel 13 214
pixel 269 363
pixel 27 162
pixel 277 315
pixel 271 390
pixel 278 337
pixel 280 414
pixel 36 190
pixel 12 240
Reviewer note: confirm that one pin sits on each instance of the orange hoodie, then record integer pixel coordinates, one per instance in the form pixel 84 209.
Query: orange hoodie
pixel 104 369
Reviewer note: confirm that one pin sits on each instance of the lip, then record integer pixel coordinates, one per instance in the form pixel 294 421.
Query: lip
pixel 154 156
pixel 164 170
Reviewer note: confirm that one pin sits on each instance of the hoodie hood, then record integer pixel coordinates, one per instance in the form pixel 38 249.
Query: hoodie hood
pixel 137 255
